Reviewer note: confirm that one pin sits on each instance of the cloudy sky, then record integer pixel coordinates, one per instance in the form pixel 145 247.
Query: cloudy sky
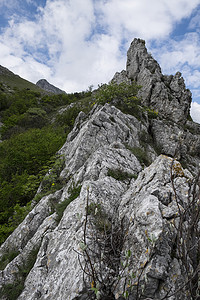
pixel 78 43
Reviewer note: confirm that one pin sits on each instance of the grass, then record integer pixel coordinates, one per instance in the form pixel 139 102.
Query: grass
pixel 11 291
pixel 60 207
pixel 120 175
pixel 7 257
pixel 140 154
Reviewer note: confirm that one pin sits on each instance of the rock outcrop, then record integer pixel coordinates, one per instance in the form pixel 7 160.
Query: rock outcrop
pixel 165 94
pixel 48 87
pixel 132 232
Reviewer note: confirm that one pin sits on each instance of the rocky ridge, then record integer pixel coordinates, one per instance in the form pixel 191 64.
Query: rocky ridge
pixel 129 215
pixel 158 91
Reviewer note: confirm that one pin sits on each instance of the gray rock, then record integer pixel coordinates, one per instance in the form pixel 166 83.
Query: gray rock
pixel 165 94
pixel 134 209
pixel 50 88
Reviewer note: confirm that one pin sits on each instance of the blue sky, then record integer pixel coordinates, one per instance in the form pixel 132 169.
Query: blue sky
pixel 78 43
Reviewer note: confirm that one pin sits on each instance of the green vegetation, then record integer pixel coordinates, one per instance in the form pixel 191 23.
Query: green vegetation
pixel 117 92
pixel 35 127
pixel 140 154
pixel 60 207
pixel 101 219
pixel 152 114
pixel 28 149
pixel 12 291
pixel 52 181
pixel 120 175
pixel 9 80
pixel 7 257
pixel 123 96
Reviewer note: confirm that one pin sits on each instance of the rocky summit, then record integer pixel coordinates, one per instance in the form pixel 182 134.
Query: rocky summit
pixel 166 94
pixel 48 87
pixel 124 224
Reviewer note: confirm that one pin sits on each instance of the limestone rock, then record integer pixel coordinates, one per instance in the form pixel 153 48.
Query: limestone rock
pixel 165 94
pixel 147 204
pixel 133 215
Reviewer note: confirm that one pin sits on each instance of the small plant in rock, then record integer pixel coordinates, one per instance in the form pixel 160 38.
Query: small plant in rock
pixel 152 114
pixel 120 175
pixel 8 257
pixel 140 154
pixel 12 291
pixel 103 264
pixel 101 219
pixel 60 207
pixel 52 180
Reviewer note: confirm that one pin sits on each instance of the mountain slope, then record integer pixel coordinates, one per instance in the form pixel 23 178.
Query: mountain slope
pixel 124 221
pixel 9 80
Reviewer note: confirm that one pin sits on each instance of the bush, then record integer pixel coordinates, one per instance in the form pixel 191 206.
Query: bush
pixel 67 118
pixel 113 91
pixel 52 181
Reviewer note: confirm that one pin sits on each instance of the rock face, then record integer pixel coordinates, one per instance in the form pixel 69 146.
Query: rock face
pixel 165 94
pixel 45 85
pixel 132 232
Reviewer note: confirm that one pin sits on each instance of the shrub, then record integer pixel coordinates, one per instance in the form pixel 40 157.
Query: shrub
pixel 52 181
pixel 113 91
pixel 67 118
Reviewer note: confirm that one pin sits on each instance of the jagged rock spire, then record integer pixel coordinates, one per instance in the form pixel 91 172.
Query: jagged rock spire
pixel 165 94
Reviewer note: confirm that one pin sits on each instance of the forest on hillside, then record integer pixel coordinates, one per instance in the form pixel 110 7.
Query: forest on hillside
pixel 31 135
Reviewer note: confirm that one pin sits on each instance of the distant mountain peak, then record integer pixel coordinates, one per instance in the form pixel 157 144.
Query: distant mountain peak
pixel 45 85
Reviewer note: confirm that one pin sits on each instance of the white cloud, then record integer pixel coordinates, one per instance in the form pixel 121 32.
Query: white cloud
pixel 195 112
pixel 175 53
pixel 144 18
pixel 75 43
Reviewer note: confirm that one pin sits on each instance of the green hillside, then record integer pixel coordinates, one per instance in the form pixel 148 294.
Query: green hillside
pixel 9 80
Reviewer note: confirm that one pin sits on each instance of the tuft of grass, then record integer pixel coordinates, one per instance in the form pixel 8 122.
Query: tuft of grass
pixel 60 207
pixel 8 257
pixel 120 175
pixel 140 154
pixel 11 291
